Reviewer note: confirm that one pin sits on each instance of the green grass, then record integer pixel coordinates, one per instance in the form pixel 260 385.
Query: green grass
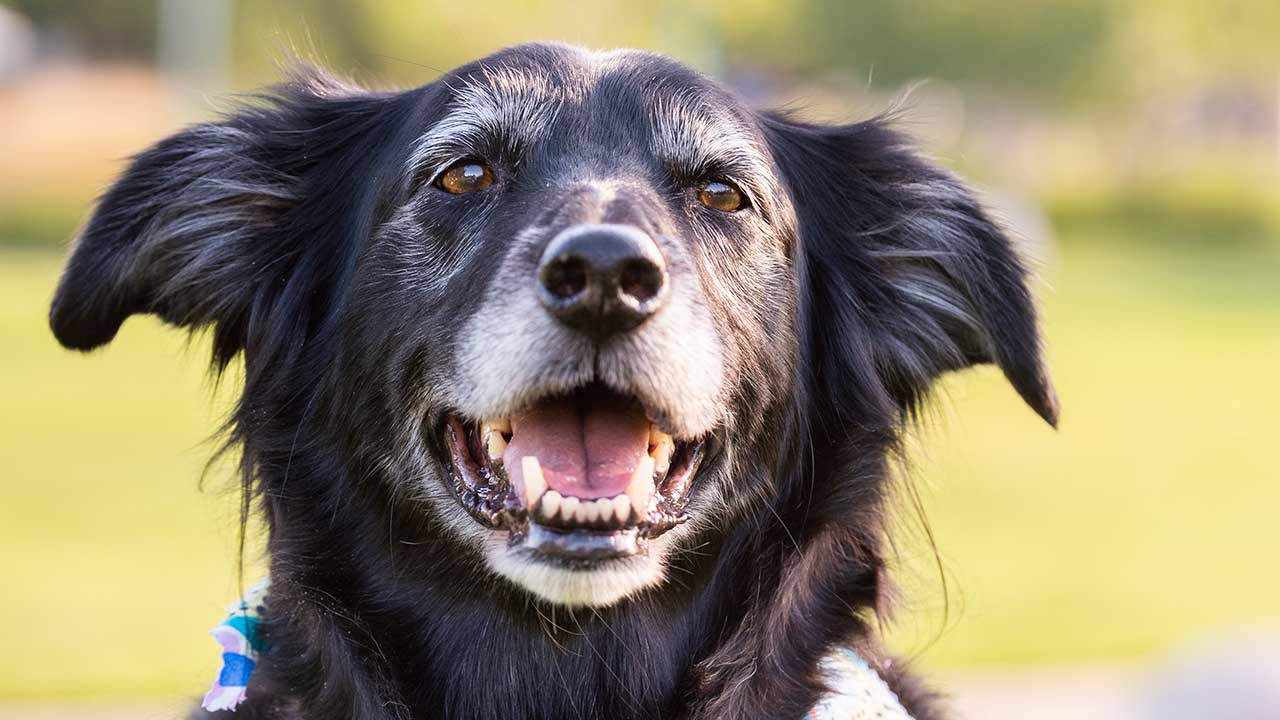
pixel 115 563
pixel 1150 516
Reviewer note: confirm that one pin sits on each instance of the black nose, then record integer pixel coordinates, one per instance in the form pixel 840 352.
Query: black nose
pixel 602 280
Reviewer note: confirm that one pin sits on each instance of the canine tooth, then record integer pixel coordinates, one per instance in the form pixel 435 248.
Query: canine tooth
pixel 496 445
pixel 590 511
pixel 641 486
pixel 662 455
pixel 621 508
pixel 534 484
pixel 502 425
pixel 550 505
pixel 569 507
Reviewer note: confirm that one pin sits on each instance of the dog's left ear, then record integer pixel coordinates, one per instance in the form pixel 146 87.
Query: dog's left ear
pixel 231 224
pixel 906 275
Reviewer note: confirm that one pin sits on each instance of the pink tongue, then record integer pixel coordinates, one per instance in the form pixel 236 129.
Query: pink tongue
pixel 587 450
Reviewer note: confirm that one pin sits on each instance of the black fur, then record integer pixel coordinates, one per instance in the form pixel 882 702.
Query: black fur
pixel 872 273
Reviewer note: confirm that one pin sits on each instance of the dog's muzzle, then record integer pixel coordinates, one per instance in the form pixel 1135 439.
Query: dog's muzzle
pixel 584 474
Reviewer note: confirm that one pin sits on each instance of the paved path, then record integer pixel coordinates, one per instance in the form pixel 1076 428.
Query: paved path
pixel 1053 694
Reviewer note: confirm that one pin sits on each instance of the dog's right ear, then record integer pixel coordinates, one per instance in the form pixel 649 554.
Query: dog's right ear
pixel 911 276
pixel 205 227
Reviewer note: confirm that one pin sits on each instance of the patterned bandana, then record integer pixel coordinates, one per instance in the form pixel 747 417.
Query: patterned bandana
pixel 857 691
pixel 241 644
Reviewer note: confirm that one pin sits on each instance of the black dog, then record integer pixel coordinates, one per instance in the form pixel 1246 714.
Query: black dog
pixel 571 383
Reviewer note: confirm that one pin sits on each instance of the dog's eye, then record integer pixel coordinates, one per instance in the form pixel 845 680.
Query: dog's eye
pixel 721 195
pixel 465 176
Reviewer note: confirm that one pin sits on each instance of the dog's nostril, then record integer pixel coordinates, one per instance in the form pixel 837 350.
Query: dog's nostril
pixel 565 276
pixel 640 278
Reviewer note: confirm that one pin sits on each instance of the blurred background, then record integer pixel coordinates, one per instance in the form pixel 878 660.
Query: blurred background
pixel 1127 566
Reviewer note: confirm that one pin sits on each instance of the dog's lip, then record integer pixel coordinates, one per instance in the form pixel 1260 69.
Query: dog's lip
pixel 481 487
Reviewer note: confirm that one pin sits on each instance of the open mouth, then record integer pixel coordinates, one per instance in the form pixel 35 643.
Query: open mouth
pixel 579 477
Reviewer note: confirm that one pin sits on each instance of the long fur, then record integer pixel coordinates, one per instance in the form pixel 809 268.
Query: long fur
pixel 298 230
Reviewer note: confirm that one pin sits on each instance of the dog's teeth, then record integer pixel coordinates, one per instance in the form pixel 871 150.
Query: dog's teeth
pixel 534 484
pixel 621 508
pixel 550 505
pixel 494 442
pixel 569 508
pixel 662 455
pixel 604 509
pixel 641 486
pixel 495 445
pixel 590 511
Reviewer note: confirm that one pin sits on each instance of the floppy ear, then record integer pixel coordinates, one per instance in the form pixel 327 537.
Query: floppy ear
pixel 907 277
pixel 221 222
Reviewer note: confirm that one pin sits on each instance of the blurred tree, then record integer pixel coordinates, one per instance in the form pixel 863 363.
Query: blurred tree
pixel 1172 43
pixel 336 33
pixel 116 29
pixel 1041 49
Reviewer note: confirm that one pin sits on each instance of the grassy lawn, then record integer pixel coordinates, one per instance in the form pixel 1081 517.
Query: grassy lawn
pixel 1151 514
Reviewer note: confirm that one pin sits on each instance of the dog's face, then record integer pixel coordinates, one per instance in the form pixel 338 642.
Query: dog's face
pixel 572 306
pixel 592 269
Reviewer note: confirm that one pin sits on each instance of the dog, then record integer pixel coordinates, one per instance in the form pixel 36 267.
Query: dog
pixel 572 385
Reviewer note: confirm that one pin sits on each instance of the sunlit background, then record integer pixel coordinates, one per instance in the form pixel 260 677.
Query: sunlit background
pixel 1126 567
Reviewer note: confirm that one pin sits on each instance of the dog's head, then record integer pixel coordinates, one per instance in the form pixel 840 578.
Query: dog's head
pixel 574 306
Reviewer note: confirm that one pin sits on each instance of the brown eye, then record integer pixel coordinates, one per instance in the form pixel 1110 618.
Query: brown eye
pixel 721 196
pixel 465 176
